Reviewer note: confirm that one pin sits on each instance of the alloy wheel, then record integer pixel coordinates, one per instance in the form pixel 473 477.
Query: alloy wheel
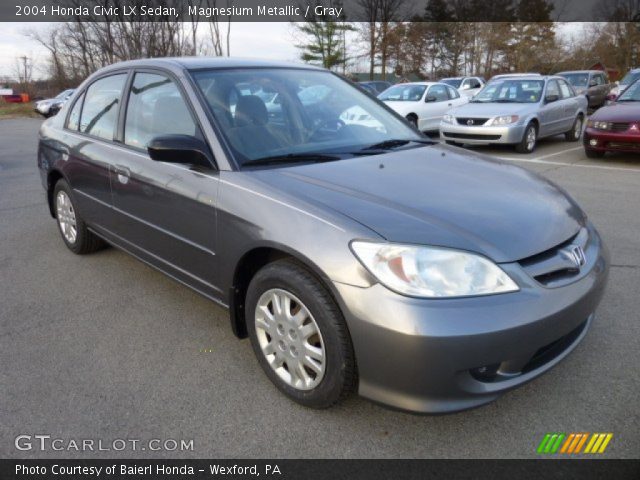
pixel 290 339
pixel 66 217
pixel 531 138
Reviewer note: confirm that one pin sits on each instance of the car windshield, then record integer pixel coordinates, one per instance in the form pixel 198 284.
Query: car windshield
pixel 454 82
pixel 629 78
pixel 403 93
pixel 510 91
pixel 313 115
pixel 577 79
pixel 631 94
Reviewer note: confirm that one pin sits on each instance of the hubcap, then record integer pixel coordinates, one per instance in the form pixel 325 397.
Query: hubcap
pixel 578 130
pixel 66 217
pixel 290 339
pixel 531 138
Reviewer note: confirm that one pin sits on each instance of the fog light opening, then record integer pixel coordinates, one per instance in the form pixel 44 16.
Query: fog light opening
pixel 593 142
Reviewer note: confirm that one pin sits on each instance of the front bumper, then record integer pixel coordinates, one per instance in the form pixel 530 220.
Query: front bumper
pixel 433 356
pixel 611 141
pixel 481 135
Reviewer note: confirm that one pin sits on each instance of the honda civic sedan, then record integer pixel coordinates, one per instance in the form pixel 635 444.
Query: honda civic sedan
pixel 354 256
pixel 517 110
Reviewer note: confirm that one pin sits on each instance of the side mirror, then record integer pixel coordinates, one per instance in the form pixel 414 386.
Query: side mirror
pixel 592 83
pixel 551 98
pixel 183 149
pixel 430 98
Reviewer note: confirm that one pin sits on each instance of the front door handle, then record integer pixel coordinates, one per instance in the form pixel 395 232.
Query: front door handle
pixel 123 174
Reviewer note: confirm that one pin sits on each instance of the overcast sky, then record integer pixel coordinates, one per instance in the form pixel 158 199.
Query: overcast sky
pixel 263 40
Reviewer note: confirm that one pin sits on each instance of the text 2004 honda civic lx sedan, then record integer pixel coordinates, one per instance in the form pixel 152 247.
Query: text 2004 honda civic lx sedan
pixel 353 251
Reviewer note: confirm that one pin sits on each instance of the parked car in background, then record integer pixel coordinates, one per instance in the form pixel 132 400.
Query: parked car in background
pixel 615 127
pixel 517 111
pixel 467 86
pixel 593 84
pixel 51 106
pixel 375 86
pixel 423 103
pixel 354 258
pixel 628 79
pixel 502 76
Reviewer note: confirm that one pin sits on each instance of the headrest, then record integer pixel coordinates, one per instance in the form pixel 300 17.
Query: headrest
pixel 250 110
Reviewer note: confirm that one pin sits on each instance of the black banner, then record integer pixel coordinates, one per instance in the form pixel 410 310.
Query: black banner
pixel 319 469
pixel 327 10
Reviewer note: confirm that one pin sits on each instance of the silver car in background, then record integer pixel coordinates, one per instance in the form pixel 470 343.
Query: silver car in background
pixel 517 110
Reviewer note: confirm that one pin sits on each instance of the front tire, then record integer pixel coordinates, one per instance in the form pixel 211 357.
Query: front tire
pixel 575 133
pixel 299 335
pixel 72 228
pixel 529 139
pixel 413 120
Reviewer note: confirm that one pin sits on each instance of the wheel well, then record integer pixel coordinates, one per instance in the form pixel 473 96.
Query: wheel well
pixel 412 115
pixel 246 268
pixel 536 123
pixel 52 179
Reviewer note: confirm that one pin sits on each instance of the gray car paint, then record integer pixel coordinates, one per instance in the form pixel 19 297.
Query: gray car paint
pixel 199 225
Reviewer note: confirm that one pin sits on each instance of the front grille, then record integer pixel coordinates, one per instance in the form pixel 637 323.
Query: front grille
pixel 619 127
pixel 472 136
pixel 557 266
pixel 472 122
pixel 625 145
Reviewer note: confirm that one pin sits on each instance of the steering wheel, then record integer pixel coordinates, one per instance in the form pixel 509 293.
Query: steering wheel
pixel 332 125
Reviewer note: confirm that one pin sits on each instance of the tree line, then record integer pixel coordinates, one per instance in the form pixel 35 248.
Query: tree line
pixel 435 42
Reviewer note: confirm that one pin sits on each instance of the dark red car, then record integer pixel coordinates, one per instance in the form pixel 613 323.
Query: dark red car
pixel 615 127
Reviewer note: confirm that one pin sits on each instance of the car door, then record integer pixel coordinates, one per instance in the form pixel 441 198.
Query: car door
pixel 551 111
pixel 569 105
pixel 89 132
pixel 166 211
pixel 436 104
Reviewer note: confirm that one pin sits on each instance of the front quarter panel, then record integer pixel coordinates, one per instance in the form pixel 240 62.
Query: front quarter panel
pixel 252 215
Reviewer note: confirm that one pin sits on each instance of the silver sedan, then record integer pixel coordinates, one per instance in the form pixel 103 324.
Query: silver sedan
pixel 517 111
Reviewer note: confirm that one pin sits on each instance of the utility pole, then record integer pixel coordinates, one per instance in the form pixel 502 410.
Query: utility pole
pixel 24 59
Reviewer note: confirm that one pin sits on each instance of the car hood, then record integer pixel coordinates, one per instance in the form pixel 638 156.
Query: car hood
pixel 440 195
pixel 618 112
pixel 491 109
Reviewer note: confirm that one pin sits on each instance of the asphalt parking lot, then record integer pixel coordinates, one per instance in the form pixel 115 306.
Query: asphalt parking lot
pixel 104 347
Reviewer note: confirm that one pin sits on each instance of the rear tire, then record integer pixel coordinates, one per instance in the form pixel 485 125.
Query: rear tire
pixel 279 329
pixel 72 228
pixel 575 133
pixel 593 153
pixel 529 139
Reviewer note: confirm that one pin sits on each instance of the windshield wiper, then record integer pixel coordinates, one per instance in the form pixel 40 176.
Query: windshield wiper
pixel 292 158
pixel 393 143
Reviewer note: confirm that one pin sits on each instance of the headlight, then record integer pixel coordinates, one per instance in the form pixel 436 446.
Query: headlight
pixel 448 119
pixel 504 120
pixel 598 125
pixel 432 272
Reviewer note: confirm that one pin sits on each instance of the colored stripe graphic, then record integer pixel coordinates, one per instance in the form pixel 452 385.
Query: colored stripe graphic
pixel 572 443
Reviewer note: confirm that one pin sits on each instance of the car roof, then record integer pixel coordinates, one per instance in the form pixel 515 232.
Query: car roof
pixel 579 71
pixel 195 63
pixel 426 84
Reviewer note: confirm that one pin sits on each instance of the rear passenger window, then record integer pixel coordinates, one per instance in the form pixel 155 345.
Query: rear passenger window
pixel 100 109
pixel 565 89
pixel 155 107
pixel 453 93
pixel 74 117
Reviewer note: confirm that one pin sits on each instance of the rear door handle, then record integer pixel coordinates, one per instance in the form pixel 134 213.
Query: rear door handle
pixel 123 174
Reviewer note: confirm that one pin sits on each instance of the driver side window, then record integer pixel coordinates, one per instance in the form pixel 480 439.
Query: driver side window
pixel 439 92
